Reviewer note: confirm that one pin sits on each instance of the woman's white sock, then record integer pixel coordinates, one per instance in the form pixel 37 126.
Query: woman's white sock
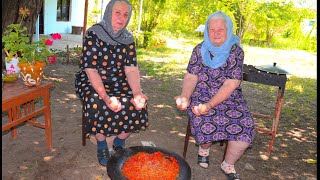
pixel 203 152
pixel 227 168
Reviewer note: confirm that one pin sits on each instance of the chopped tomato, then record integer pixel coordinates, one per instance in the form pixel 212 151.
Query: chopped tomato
pixel 144 166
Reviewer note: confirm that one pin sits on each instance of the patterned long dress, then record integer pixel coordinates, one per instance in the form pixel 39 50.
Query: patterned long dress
pixel 231 119
pixel 110 61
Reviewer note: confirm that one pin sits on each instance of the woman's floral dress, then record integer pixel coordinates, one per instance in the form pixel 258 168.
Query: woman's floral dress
pixel 231 119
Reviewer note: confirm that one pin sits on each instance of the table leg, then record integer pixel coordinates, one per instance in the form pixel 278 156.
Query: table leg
pixel 47 113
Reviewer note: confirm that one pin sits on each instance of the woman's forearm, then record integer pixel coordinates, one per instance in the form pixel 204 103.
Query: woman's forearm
pixel 133 76
pixel 96 82
pixel 224 92
pixel 189 84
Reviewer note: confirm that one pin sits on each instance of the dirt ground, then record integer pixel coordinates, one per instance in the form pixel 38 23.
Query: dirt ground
pixel 26 156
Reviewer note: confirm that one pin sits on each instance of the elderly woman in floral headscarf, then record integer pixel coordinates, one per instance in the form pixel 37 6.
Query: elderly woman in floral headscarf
pixel 212 96
pixel 108 82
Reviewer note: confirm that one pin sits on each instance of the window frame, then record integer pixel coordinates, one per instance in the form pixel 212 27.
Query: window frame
pixel 60 16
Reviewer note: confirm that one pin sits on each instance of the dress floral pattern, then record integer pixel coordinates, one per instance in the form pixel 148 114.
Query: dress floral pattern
pixel 231 119
pixel 110 61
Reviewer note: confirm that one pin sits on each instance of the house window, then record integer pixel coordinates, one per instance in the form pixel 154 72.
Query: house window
pixel 63 10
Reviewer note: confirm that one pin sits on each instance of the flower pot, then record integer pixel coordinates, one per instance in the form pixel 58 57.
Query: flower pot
pixel 12 66
pixel 31 74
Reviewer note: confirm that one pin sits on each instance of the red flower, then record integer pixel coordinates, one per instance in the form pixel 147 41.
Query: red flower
pixel 52 59
pixel 56 36
pixel 48 42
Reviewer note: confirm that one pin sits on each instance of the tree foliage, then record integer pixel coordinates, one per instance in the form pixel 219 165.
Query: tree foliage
pixel 264 20
pixel 152 11
pixel 271 20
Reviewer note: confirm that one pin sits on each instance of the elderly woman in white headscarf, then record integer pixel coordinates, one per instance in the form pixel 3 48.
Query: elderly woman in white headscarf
pixel 212 95
pixel 108 82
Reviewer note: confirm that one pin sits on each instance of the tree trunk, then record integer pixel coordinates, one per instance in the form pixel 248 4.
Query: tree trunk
pixel 269 33
pixel 10 14
pixel 240 22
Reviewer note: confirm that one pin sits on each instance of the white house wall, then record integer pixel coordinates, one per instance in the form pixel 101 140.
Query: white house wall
pixel 77 12
pixel 51 25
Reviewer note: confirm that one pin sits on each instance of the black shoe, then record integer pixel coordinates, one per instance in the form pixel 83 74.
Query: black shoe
pixel 118 148
pixel 203 161
pixel 231 176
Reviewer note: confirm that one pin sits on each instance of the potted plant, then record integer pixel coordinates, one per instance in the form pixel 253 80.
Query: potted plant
pixel 32 56
pixel 14 37
pixel 33 59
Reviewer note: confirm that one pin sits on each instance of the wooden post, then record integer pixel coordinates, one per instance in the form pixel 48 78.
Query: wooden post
pixel 140 15
pixel 68 54
pixel 85 20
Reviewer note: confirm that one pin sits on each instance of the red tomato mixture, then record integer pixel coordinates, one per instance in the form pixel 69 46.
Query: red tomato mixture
pixel 144 166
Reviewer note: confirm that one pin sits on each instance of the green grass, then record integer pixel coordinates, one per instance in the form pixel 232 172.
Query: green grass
pixel 155 52
pixel 163 62
pixel 301 97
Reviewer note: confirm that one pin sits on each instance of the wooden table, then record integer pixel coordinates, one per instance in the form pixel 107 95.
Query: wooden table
pixel 16 95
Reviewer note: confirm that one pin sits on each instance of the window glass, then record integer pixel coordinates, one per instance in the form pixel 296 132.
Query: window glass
pixel 63 10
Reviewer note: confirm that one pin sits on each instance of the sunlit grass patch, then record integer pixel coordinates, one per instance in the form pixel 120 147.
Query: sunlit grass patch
pixel 302 89
pixel 162 70
pixel 300 97
pixel 155 52
pixel 164 62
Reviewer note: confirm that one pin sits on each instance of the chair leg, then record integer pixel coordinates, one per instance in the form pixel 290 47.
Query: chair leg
pixel 83 132
pixel 186 140
pixel 221 143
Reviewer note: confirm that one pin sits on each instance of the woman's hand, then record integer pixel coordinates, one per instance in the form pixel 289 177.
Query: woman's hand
pixel 201 109
pixel 139 101
pixel 182 102
pixel 113 103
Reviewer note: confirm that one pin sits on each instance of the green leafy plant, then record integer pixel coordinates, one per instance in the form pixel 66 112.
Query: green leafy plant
pixel 16 44
pixel 14 37
pixel 39 51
